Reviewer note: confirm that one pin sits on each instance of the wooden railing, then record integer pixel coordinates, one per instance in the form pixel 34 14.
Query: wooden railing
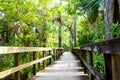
pixel 111 53
pixel 16 51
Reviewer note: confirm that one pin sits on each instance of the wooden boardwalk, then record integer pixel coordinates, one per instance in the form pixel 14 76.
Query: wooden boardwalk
pixel 66 68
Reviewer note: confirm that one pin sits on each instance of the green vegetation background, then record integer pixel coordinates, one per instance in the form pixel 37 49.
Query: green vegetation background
pixel 37 22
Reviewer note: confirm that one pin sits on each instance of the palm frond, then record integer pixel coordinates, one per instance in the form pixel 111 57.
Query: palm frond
pixel 91 8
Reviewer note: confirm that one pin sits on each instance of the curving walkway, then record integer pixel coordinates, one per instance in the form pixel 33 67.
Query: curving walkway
pixel 66 68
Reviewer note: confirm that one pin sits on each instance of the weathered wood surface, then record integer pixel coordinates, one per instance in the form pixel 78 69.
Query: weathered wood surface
pixel 82 56
pixel 115 67
pixel 91 63
pixel 20 67
pixel 17 67
pixel 66 68
pixel 94 72
pixel 106 47
pixel 8 50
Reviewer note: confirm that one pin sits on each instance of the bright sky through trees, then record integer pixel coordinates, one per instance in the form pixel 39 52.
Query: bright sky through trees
pixel 56 1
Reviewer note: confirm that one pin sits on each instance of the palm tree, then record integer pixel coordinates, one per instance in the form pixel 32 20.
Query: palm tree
pixel 90 8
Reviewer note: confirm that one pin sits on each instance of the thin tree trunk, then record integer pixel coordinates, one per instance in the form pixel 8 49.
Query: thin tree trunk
pixel 75 30
pixel 71 31
pixel 60 30
pixel 60 37
pixel 75 25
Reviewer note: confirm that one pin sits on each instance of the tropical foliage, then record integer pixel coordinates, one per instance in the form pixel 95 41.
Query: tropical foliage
pixel 49 23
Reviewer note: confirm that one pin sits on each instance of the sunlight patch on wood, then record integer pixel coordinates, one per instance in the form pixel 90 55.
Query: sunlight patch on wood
pixel 69 68
pixel 61 74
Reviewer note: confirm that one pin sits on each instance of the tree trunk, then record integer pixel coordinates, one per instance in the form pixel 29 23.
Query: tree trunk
pixel 75 30
pixel 60 37
pixel 71 31
pixel 60 30
pixel 109 17
pixel 75 25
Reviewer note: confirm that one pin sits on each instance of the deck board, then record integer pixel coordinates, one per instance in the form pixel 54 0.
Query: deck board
pixel 66 68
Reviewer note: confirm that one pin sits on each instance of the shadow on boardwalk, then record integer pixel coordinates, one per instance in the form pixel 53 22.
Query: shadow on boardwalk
pixel 66 68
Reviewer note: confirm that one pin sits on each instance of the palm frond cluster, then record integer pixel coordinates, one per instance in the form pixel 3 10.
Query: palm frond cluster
pixel 91 8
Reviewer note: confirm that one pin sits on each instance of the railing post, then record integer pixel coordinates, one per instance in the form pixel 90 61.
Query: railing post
pixel 17 63
pixel 81 52
pixel 115 66
pixel 34 66
pixel 91 63
pixel 75 52
pixel 39 62
pixel 108 66
pixel 44 63
pixel 59 53
pixel 84 57
pixel 54 54
pixel 50 60
pixel 62 51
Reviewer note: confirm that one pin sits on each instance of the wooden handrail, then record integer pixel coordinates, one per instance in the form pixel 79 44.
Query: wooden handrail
pixel 10 50
pixel 106 47
pixel 111 51
pixel 93 71
pixel 18 67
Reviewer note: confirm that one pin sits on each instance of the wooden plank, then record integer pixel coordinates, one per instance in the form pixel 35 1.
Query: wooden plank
pixel 18 68
pixel 10 50
pixel 115 67
pixel 61 71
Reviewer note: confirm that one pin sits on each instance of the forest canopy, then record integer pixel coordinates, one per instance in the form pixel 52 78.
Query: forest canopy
pixel 44 23
pixel 57 23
